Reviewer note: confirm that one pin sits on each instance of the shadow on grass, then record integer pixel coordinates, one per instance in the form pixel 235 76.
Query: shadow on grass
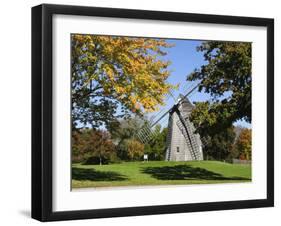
pixel 94 175
pixel 185 172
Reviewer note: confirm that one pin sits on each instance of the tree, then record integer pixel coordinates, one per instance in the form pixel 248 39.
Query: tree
pixel 156 147
pixel 126 130
pixel 205 119
pixel 244 144
pixel 115 76
pixel 135 149
pixel 220 145
pixel 130 149
pixel 92 146
pixel 226 76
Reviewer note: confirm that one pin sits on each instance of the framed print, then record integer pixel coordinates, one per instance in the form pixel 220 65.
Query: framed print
pixel 146 112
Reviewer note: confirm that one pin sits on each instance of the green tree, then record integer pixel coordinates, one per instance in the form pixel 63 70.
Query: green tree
pixel 109 72
pixel 220 145
pixel 226 76
pixel 156 147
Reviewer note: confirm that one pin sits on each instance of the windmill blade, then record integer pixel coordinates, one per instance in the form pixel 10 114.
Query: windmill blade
pixel 186 132
pixel 139 137
pixel 159 119
pixel 168 95
pixel 204 141
pixel 189 93
pixel 171 94
pixel 143 137
pixel 187 87
pixel 146 133
pixel 156 115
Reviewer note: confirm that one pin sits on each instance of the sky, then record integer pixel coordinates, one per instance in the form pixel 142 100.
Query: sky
pixel 184 59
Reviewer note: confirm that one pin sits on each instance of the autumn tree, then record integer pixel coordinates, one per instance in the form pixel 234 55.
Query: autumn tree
pixel 135 149
pixel 92 146
pixel 227 77
pixel 114 76
pixel 243 144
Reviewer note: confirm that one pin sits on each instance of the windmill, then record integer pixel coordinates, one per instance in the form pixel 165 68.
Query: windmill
pixel 183 144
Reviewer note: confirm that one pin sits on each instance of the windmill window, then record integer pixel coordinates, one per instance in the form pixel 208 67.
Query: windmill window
pixel 178 149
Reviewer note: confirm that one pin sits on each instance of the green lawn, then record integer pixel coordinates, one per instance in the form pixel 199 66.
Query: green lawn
pixel 158 173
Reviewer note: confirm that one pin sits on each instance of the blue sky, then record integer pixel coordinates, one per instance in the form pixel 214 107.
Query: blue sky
pixel 184 59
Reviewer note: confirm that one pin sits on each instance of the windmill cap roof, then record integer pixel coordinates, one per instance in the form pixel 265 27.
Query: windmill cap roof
pixel 185 102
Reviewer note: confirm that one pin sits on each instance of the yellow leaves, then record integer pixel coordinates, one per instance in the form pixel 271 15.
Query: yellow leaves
pixel 127 68
pixel 109 72
pixel 120 90
pixel 135 149
pixel 91 45
pixel 92 58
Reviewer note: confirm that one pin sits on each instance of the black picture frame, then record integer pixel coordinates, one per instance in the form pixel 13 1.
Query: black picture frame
pixel 42 111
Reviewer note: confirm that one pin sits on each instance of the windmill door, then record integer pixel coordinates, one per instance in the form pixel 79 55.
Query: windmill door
pixel 177 153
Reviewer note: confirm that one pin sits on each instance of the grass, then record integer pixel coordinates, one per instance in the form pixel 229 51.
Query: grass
pixel 158 173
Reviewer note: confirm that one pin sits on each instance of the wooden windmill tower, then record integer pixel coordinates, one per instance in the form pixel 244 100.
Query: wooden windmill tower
pixel 183 144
